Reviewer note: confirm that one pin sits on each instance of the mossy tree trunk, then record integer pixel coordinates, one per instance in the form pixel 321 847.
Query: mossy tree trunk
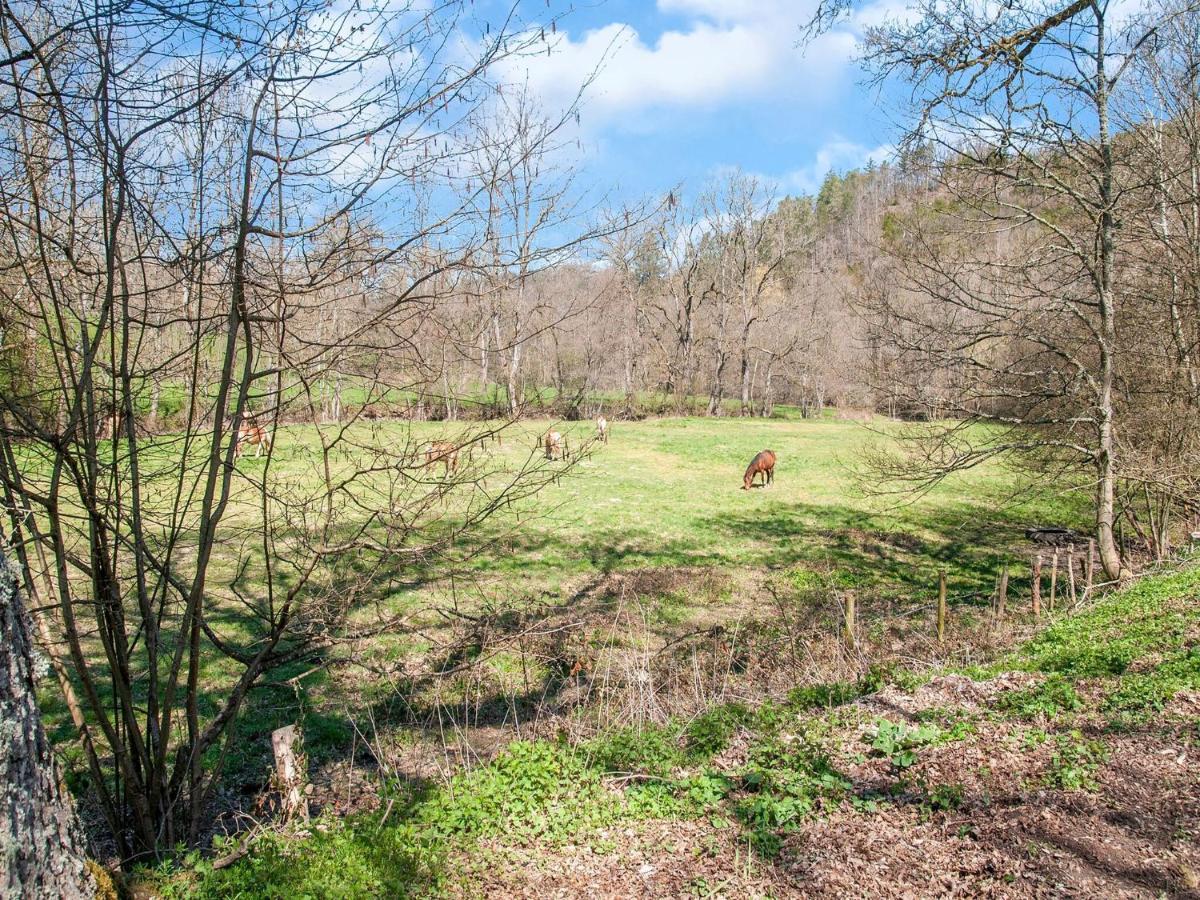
pixel 41 843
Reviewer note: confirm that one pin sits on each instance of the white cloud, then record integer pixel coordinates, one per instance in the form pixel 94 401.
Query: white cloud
pixel 835 154
pixel 726 51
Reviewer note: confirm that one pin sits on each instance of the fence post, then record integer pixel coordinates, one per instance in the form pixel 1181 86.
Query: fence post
pixel 941 607
pixel 1002 592
pixel 1037 586
pixel 1071 571
pixel 1053 579
pixel 1091 567
pixel 848 620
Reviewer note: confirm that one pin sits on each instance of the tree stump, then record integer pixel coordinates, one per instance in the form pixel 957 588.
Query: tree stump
pixel 290 771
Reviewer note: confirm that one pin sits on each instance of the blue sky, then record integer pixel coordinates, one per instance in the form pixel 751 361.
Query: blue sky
pixel 687 88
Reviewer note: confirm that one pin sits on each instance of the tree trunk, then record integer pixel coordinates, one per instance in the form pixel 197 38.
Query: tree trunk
pixel 1110 554
pixel 41 843
pixel 514 371
pixel 747 409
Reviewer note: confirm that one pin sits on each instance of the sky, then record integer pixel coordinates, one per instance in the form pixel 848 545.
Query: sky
pixel 687 89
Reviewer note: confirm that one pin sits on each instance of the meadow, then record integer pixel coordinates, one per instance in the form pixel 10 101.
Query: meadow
pixel 667 493
pixel 657 520
pixel 658 513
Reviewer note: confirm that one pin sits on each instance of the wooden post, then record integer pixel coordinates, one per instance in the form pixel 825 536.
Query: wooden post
pixel 1053 579
pixel 1002 592
pixel 1071 571
pixel 289 771
pixel 1091 567
pixel 941 607
pixel 849 620
pixel 1037 585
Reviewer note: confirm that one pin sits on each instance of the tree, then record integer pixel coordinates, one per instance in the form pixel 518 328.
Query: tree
pixel 186 192
pixel 41 843
pixel 1013 293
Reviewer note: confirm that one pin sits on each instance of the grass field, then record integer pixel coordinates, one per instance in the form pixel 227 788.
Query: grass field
pixel 662 497
pixel 667 492
pixel 893 778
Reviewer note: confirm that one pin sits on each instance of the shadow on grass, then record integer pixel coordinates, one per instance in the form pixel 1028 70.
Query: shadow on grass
pixel 901 553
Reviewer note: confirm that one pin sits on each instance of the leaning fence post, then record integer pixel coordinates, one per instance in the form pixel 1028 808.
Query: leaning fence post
pixel 941 607
pixel 1071 571
pixel 1053 579
pixel 1091 567
pixel 1002 592
pixel 1037 585
pixel 848 619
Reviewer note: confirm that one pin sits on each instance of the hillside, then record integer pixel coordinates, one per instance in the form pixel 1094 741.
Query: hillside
pixel 1069 766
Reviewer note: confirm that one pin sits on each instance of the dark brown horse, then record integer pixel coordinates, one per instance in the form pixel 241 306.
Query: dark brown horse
pixel 764 462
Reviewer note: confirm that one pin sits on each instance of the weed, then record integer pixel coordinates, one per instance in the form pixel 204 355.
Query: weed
pixel 1140 695
pixel 532 790
pixel 945 797
pixel 1075 761
pixel 651 750
pixel 1047 700
pixel 900 742
pixel 709 733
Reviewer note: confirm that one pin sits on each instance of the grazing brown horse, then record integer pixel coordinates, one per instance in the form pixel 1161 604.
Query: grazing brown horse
pixel 445 453
pixel 252 434
pixel 554 444
pixel 764 462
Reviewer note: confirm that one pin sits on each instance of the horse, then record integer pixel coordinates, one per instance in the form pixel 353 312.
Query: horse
pixel 764 462
pixel 554 444
pixel 252 434
pixel 602 429
pixel 444 452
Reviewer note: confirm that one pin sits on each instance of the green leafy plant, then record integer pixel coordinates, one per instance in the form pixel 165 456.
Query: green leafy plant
pixel 900 742
pixel 1075 761
pixel 1140 695
pixel 532 790
pixel 945 797
pixel 1049 699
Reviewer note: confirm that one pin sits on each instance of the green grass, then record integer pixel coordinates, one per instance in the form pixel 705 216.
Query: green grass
pixel 663 495
pixel 667 493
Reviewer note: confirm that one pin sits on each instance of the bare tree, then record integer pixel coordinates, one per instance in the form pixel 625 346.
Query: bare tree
pixel 1014 296
pixel 190 198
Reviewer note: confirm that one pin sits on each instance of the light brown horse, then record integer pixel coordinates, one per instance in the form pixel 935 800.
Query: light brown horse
pixel 602 429
pixel 444 452
pixel 252 434
pixel 554 444
pixel 763 463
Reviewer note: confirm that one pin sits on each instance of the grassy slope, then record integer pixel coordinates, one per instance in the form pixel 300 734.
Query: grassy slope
pixel 1107 678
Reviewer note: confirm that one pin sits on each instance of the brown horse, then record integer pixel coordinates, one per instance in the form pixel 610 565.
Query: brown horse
pixel 445 453
pixel 553 443
pixel 252 435
pixel 764 462
pixel 602 429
